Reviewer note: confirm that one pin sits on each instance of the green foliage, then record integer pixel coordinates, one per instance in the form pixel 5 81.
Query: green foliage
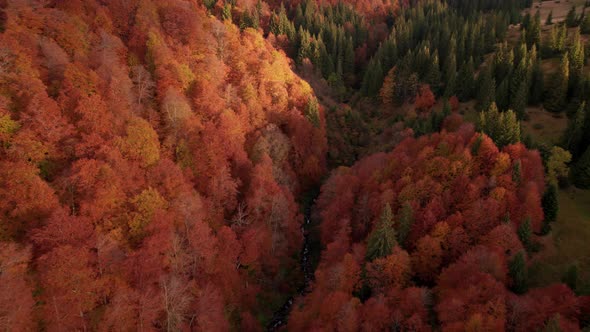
pixel 557 165
pixel 209 4
pixel 585 25
pixel 383 238
pixel 373 79
pixel 549 20
pixel 557 91
pixel 312 111
pixel 570 278
pixel 465 83
pixel 503 128
pixel 487 89
pixel 550 203
pixel 517 172
pixel 533 32
pixel 581 171
pixel 518 273
pixel 571 20
pixel 537 84
pixel 476 145
pixel 226 12
pixel 574 134
pixel 525 233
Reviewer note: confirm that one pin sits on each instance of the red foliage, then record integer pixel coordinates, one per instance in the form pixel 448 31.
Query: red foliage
pixel 460 189
pixel 425 99
pixel 152 166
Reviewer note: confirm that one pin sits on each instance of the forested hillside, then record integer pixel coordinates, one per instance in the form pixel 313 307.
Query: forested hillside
pixel 151 157
pixel 160 162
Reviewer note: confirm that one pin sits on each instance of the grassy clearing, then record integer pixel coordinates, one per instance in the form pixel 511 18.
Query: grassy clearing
pixel 559 9
pixel 543 126
pixel 567 244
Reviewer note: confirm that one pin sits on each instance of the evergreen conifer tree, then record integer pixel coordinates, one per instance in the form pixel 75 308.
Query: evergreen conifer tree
pixel 383 239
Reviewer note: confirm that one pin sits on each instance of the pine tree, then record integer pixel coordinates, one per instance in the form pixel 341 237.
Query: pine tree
pixel 557 93
pixel 487 89
pixel 450 74
pixel 533 36
pixel 585 25
pixel 274 25
pixel 550 203
pixel 570 277
pixel 576 60
pixel 525 233
pixel 503 94
pixel 519 101
pixel 517 172
pixel 518 273
pixel 581 171
pixel 383 239
pixel 304 49
pixel 226 12
pixel 537 84
pixel 503 128
pixel 433 75
pixel 465 81
pixel 571 19
pixel 549 18
pixel 348 57
pixel 312 111
pixel 575 131
pixel 404 223
pixel 510 129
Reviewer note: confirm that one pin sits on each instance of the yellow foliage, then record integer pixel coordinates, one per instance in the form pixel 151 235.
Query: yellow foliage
pixel 146 204
pixel 185 75
pixel 7 125
pixel 498 193
pixel 141 142
pixel 503 163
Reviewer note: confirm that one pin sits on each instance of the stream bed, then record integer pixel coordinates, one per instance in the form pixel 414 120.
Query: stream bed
pixel 306 265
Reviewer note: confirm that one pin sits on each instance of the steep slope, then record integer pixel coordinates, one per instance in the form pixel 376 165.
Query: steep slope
pixel 150 160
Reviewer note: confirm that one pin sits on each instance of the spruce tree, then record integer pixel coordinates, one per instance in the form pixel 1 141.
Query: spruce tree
pixel 509 129
pixel 537 84
pixel 450 70
pixel 575 131
pixel 525 233
pixel 571 19
pixel 557 92
pixel 383 239
pixel 585 25
pixel 518 273
pixel 465 81
pixel 312 112
pixel 581 171
pixel 226 12
pixel 348 57
pixel 570 278
pixel 550 203
pixel 503 94
pixel 519 101
pixel 576 60
pixel 433 76
pixel 549 20
pixel 533 36
pixel 487 89
pixel 517 172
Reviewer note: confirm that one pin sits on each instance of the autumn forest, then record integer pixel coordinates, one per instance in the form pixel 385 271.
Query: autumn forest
pixel 307 165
